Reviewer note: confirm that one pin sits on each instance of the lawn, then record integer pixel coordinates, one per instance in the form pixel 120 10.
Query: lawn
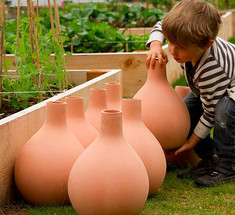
pixel 176 196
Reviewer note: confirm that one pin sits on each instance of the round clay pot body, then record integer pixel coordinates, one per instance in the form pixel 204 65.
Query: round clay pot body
pixel 77 123
pixel 188 157
pixel 97 103
pixel 45 161
pixel 144 143
pixel 163 112
pixel 182 91
pixel 113 94
pixel 109 177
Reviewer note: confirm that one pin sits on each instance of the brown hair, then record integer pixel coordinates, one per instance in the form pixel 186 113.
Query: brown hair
pixel 191 22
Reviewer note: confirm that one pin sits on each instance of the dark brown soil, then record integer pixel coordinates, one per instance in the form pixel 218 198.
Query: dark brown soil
pixel 7 110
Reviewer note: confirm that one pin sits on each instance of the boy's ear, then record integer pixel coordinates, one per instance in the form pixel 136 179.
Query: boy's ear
pixel 208 45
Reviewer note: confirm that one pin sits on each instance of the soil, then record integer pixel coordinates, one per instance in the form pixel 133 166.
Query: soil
pixel 7 110
pixel 14 208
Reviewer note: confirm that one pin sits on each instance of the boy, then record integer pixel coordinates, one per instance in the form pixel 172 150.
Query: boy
pixel 191 28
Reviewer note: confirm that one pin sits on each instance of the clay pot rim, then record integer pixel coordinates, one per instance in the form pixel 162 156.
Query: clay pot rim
pixel 111 111
pixel 179 86
pixel 57 102
pixel 73 97
pixel 112 83
pixel 131 99
pixel 98 89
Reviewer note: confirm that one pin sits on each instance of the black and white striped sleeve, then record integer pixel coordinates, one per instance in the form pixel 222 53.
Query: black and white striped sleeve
pixel 212 83
pixel 156 34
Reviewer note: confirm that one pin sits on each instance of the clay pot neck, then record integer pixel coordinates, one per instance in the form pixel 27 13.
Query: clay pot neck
pixel 131 109
pixel 75 107
pixel 111 124
pixel 55 114
pixel 97 98
pixel 158 73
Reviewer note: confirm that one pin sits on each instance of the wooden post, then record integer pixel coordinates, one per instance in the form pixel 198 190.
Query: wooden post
pixel 56 20
pixel 37 52
pixel 37 17
pixel 51 18
pixel 217 4
pixel 18 24
pixel 224 4
pixel 30 25
pixel 59 33
pixel 31 32
pixel 2 48
pixel 147 4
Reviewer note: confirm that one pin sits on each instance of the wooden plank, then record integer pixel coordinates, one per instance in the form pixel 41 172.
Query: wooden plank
pixel 226 29
pixel 135 31
pixel 16 129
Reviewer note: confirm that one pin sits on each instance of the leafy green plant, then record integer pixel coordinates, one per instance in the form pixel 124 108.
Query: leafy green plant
pixel 25 87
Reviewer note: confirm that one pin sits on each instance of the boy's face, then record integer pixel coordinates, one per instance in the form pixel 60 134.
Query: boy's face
pixel 184 54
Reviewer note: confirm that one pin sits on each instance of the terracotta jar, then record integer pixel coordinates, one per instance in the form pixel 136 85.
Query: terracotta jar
pixel 144 143
pixel 97 103
pixel 182 91
pixel 77 123
pixel 113 94
pixel 163 112
pixel 45 161
pixel 109 177
pixel 187 157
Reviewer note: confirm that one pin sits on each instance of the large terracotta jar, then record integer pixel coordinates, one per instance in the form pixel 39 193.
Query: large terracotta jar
pixel 188 157
pixel 113 94
pixel 109 177
pixel 144 143
pixel 77 123
pixel 97 103
pixel 163 112
pixel 45 161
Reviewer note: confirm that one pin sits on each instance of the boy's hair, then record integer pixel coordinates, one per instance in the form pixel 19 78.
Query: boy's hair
pixel 191 22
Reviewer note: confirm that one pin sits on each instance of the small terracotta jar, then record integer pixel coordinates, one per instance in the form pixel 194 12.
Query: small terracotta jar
pixel 45 161
pixel 113 94
pixel 144 143
pixel 182 91
pixel 163 111
pixel 109 177
pixel 97 103
pixel 77 123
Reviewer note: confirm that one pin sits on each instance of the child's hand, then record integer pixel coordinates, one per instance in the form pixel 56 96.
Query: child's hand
pixel 155 51
pixel 189 144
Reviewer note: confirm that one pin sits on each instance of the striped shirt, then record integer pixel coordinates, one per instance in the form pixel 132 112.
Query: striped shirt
pixel 212 77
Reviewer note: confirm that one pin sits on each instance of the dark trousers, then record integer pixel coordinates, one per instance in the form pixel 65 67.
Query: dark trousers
pixel 224 131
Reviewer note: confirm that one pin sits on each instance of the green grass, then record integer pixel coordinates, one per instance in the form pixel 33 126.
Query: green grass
pixel 180 82
pixel 232 39
pixel 176 196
